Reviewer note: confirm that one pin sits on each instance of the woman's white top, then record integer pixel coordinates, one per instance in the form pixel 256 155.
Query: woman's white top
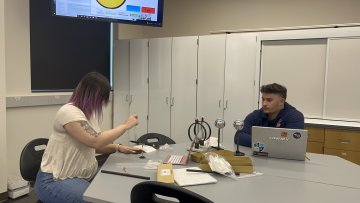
pixel 64 156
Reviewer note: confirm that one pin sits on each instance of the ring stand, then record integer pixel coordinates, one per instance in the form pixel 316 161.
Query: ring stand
pixel 142 152
pixel 218 147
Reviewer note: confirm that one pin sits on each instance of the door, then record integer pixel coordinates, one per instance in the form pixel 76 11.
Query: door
pixel 121 85
pixel 210 90
pixel 183 92
pixel 139 85
pixel 159 85
pixel 240 67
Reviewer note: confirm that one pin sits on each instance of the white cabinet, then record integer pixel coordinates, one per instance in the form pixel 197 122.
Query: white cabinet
pixel 139 59
pixel 183 94
pixel 169 82
pixel 159 85
pixel 210 92
pixel 121 84
pixel 172 86
pixel 226 74
pixel 239 94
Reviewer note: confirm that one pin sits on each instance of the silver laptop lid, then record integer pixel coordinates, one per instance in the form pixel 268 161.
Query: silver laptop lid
pixel 279 142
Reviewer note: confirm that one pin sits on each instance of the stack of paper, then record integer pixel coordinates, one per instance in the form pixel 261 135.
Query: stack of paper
pixel 184 178
pixel 146 148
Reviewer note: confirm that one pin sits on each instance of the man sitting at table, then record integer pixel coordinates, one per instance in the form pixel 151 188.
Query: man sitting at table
pixel 275 112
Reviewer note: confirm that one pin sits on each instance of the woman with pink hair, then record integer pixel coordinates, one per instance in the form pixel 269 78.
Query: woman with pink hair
pixel 69 162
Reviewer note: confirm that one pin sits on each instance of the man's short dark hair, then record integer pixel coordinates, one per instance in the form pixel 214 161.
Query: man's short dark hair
pixel 274 89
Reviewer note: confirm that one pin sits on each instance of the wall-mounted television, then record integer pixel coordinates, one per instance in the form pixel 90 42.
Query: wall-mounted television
pixel 140 12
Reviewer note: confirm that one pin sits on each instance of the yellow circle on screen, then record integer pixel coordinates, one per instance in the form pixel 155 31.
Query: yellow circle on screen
pixel 111 3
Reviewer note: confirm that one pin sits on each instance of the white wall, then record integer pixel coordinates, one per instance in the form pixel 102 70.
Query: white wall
pixel 25 123
pixel 3 162
pixel 189 17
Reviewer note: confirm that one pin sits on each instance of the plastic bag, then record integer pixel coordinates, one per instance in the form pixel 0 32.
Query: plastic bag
pixel 219 164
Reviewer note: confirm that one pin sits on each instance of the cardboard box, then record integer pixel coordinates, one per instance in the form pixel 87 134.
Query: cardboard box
pixel 165 173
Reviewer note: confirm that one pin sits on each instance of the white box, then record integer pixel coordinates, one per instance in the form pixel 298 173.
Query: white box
pixel 13 194
pixel 15 182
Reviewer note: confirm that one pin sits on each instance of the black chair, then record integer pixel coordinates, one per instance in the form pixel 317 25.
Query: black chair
pixel 30 158
pixel 155 140
pixel 101 158
pixel 149 191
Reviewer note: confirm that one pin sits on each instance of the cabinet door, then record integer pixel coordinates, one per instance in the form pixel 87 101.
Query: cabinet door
pixel 121 84
pixel 159 85
pixel 211 62
pixel 183 94
pixel 139 85
pixel 239 80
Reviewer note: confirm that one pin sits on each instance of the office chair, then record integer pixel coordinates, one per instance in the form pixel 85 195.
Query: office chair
pixel 30 159
pixel 101 158
pixel 149 192
pixel 155 140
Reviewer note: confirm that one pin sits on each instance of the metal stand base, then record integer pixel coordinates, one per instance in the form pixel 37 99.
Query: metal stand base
pixel 238 153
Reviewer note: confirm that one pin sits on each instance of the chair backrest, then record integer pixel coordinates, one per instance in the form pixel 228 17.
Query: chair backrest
pixel 149 191
pixel 155 139
pixel 30 158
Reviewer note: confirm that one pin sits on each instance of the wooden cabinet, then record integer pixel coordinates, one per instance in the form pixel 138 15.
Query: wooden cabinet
pixel 342 139
pixel 353 156
pixel 315 147
pixel 315 140
pixel 343 143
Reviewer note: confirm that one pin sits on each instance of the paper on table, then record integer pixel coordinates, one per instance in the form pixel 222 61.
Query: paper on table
pixel 152 165
pixel 184 178
pixel 146 148
pixel 247 175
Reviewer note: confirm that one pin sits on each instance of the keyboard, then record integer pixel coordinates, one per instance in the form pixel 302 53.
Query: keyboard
pixel 175 159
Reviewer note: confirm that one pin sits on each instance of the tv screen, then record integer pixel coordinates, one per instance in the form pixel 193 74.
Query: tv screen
pixel 141 12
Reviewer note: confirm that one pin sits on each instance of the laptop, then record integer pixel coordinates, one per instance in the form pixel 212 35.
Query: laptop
pixel 281 143
pixel 180 159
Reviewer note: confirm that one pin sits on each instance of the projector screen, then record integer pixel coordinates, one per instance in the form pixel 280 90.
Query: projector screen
pixel 141 12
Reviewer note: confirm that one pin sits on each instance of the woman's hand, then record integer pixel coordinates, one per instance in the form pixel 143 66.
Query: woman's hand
pixel 131 121
pixel 129 150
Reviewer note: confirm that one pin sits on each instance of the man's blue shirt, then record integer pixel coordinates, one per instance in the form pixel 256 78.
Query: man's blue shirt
pixel 288 117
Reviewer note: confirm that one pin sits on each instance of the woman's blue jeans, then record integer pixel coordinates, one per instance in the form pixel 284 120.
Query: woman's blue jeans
pixel 59 191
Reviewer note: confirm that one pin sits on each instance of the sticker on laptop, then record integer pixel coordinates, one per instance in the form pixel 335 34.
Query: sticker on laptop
pixel 297 135
pixel 258 149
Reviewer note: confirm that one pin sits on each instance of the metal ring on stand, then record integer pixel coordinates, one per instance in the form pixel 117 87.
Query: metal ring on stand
pixel 197 123
pixel 203 121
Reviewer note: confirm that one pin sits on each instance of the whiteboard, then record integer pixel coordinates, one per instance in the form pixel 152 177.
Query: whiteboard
pixel 300 66
pixel 343 83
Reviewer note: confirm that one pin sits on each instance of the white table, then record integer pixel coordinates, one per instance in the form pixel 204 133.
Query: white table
pixel 322 179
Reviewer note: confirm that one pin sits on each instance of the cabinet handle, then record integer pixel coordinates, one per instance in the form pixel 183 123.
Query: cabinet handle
pixel 127 97
pixel 167 100
pixel 343 154
pixel 172 101
pixel 342 141
pixel 226 104
pixel 131 99
pixel 219 103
